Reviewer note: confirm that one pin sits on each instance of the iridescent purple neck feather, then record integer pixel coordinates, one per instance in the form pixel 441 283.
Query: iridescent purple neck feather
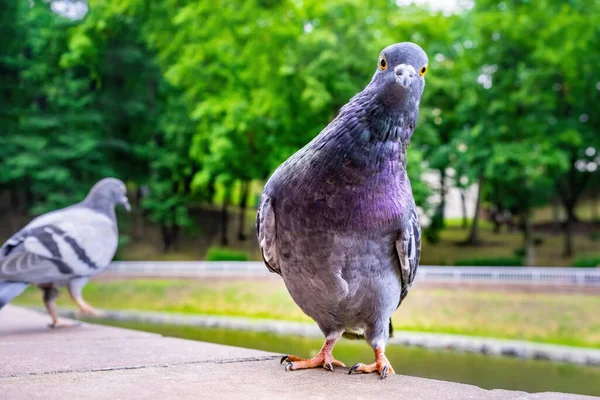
pixel 353 174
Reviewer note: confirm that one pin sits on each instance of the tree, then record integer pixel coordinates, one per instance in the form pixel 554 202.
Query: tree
pixel 510 106
pixel 54 152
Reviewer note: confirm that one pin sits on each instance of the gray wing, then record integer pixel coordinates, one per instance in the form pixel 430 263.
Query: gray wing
pixel 58 246
pixel 408 248
pixel 266 231
pixel 17 263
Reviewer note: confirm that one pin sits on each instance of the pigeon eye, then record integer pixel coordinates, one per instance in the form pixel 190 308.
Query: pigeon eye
pixel 423 70
pixel 383 64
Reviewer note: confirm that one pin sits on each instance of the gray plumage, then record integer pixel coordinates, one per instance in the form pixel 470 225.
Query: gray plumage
pixel 337 220
pixel 64 247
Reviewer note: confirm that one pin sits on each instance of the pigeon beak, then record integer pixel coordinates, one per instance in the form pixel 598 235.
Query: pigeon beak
pixel 125 203
pixel 404 75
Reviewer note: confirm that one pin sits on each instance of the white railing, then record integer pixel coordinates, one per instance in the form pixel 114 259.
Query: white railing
pixel 187 268
pixel 505 275
pixel 513 275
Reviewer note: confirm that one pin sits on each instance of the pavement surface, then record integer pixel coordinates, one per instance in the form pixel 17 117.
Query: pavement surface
pixel 97 362
pixel 472 344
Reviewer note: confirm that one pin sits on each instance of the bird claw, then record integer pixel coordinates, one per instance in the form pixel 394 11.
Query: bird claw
pixel 382 367
pixel 294 362
pixel 384 372
pixel 60 324
pixel 354 368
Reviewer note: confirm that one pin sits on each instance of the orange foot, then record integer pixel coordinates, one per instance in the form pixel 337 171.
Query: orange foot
pixel 381 365
pixel 323 359
pixel 62 324
pixel 320 360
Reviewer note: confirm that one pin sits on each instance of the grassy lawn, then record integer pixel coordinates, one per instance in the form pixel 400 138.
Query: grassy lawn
pixel 568 319
pixel 503 244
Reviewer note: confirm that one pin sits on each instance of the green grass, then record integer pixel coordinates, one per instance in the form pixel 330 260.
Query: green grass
pixel 591 261
pixel 584 210
pixel 457 223
pixel 225 254
pixel 549 253
pixel 490 262
pixel 568 319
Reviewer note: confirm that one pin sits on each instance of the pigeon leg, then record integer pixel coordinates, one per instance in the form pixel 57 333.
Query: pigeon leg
pixel 381 365
pixel 324 358
pixel 51 293
pixel 75 287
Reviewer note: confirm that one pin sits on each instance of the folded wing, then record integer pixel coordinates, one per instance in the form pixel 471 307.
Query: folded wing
pixel 267 234
pixel 72 242
pixel 408 248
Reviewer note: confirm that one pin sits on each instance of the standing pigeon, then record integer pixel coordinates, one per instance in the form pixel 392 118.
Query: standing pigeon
pixel 338 221
pixel 64 247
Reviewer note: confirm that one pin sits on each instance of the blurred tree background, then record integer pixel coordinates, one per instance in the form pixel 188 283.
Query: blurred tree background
pixel 193 104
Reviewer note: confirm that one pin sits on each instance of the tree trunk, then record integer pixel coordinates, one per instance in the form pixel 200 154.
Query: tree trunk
pixel 138 214
pixel 211 189
pixel 243 203
pixel 569 248
pixel 474 233
pixel 29 196
pixel 14 200
pixel 595 201
pixel 442 206
pixel 463 201
pixel 497 215
pixel 167 237
pixel 225 221
pixel 556 215
pixel 528 240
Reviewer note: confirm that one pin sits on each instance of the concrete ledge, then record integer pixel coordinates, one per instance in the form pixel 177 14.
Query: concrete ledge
pixel 472 344
pixel 98 362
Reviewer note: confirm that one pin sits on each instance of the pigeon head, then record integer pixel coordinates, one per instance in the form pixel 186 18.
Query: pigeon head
pixel 106 194
pixel 400 77
pixel 389 105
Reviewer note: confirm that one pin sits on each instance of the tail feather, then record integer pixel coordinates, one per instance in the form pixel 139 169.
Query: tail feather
pixel 357 336
pixel 353 336
pixel 9 290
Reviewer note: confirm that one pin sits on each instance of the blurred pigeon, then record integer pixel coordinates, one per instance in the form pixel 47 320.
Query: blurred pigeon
pixel 64 247
pixel 338 221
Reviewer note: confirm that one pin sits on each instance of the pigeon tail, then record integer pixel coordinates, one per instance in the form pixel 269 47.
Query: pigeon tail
pixel 9 290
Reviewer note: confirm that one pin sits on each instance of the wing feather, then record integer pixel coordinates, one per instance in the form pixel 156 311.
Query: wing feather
pixel 266 230
pixel 59 245
pixel 408 248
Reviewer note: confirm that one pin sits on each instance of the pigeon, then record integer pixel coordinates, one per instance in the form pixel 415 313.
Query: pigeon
pixel 64 247
pixel 338 221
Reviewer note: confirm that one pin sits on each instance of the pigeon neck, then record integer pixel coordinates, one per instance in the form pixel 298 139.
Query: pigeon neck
pixel 100 205
pixel 381 120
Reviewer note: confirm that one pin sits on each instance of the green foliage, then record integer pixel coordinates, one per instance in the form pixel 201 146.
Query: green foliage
pixel 185 111
pixel 224 254
pixel 589 261
pixel 490 262
pixel 519 252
